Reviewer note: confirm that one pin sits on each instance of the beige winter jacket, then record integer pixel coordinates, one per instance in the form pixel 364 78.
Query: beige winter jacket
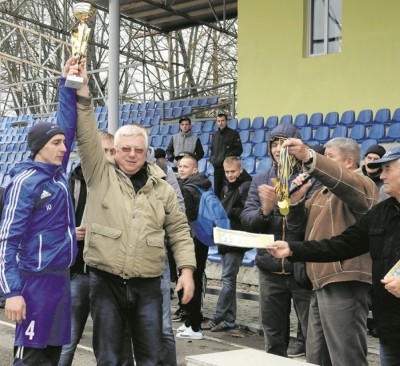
pixel 125 231
pixel 345 197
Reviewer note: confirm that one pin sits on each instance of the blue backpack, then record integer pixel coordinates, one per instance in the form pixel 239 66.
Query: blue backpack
pixel 211 213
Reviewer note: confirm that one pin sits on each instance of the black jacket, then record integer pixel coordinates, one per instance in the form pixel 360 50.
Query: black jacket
pixel 378 232
pixel 224 143
pixel 233 199
pixel 79 205
pixel 191 195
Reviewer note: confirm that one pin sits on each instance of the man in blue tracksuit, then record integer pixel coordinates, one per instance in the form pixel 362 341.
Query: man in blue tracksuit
pixel 37 240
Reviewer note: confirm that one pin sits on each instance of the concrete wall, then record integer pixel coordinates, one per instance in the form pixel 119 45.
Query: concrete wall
pixel 275 77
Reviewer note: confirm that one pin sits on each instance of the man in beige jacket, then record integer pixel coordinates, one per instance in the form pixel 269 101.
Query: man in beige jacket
pixel 337 320
pixel 130 209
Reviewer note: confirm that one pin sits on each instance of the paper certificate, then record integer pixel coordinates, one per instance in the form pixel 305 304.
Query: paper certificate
pixel 395 270
pixel 242 239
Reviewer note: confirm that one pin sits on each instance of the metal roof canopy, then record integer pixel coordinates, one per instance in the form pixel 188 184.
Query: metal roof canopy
pixel 170 15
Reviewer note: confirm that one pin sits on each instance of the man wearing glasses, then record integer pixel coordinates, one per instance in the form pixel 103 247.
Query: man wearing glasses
pixel 129 211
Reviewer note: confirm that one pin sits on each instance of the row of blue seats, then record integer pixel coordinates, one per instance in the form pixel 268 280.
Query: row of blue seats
pixel 153 105
pixel 348 118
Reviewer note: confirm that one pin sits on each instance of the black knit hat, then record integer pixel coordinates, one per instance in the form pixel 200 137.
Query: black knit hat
pixel 159 153
pixel 376 149
pixel 40 134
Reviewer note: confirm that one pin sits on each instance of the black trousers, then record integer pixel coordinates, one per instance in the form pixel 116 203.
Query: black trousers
pixel 49 356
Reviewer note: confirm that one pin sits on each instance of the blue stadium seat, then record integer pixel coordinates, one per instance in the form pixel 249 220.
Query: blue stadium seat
pixel 168 113
pixel 203 102
pixel 157 141
pixel 263 164
pixel 185 103
pixel 206 150
pixel 322 134
pixel 249 164
pixel 149 113
pixel 233 123
pixel 208 126
pixel 271 123
pixel 134 114
pixel 194 102
pixel 249 258
pixel 196 127
pixel 244 136
pixel 164 130
pixel 301 120
pixel 347 118
pixel 244 123
pixel 287 118
pixel 165 141
pixel 393 132
pixel 213 255
pixel 339 131
pixel 377 132
pixel 315 120
pixel 331 119
pixel 258 122
pixel 382 116
pixel 202 165
pixel 174 129
pixel 155 130
pixel 210 169
pixel 187 111
pixel 177 112
pixel 147 122
pixel 247 150
pixel 258 136
pixel 260 150
pixel 212 101
pixel 159 104
pixel 366 144
pixel 175 103
pixel 357 132
pixel 306 133
pixel 155 120
pixel 364 117
pixel 205 138
pixel 396 116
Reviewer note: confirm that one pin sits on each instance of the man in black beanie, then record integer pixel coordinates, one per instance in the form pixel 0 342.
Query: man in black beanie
pixel 38 242
pixel 374 152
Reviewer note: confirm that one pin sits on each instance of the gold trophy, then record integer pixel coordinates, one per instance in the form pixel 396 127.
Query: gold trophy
pixel 79 38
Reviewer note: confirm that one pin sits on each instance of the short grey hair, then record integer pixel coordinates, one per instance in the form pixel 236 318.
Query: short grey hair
pixel 131 130
pixel 349 147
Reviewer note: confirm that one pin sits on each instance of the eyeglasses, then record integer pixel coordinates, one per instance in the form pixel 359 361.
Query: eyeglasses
pixel 128 149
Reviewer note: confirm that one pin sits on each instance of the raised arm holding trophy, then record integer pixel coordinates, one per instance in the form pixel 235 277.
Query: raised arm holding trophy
pixel 79 38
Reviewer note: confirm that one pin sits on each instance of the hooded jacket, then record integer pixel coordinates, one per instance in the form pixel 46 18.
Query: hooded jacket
pixel 125 229
pixel 38 225
pixel 275 223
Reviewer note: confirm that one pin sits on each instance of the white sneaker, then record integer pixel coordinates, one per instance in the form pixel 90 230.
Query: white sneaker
pixel 182 328
pixel 189 334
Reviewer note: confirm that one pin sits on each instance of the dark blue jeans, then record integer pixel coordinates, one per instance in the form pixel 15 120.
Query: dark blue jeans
pixel 390 354
pixel 226 304
pixel 114 304
pixel 80 311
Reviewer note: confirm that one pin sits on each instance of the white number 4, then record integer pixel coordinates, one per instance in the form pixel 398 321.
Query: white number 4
pixel 30 331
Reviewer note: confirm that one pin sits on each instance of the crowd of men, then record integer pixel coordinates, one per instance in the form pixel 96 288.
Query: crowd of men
pixel 97 242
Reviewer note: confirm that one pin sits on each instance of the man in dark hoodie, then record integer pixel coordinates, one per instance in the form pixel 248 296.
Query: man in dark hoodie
pixel 277 283
pixel 188 176
pixel 225 142
pixel 236 187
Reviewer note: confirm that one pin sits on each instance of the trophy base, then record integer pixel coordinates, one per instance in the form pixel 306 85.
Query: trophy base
pixel 74 82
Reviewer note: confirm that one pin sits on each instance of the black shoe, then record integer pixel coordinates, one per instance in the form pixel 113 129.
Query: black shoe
pixel 179 315
pixel 296 349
